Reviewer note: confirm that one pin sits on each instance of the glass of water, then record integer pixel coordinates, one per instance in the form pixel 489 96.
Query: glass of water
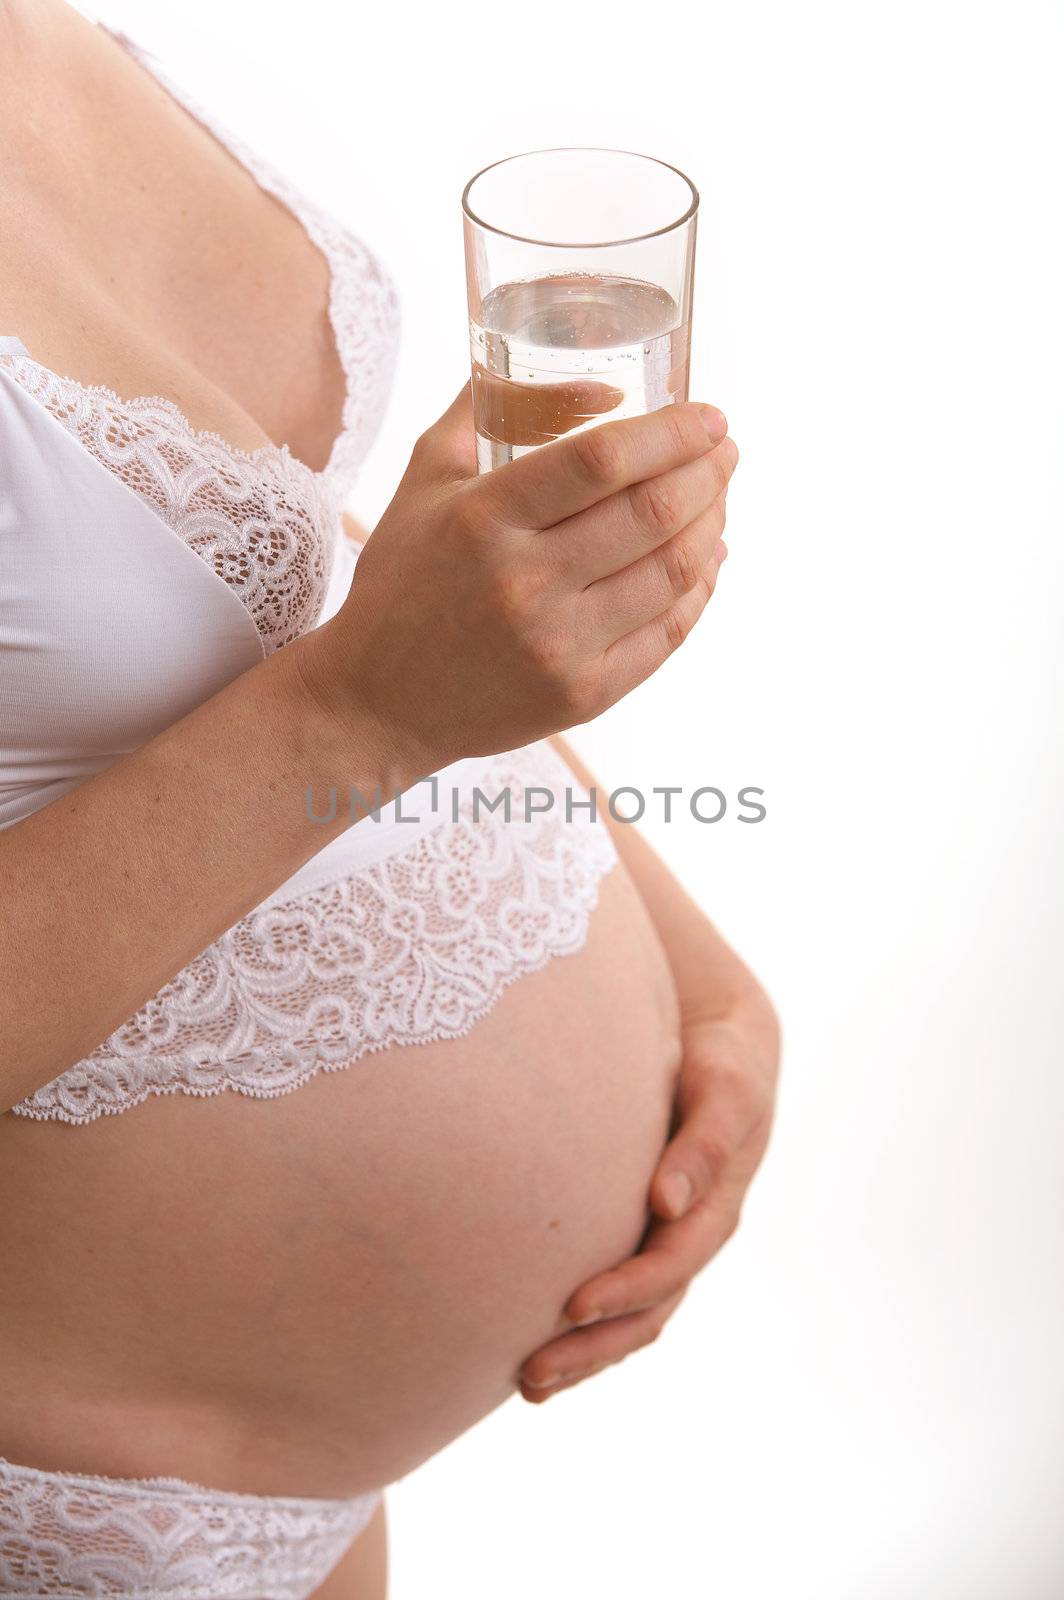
pixel 579 268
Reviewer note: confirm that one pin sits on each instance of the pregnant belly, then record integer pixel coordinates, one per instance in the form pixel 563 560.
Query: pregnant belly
pixel 311 1295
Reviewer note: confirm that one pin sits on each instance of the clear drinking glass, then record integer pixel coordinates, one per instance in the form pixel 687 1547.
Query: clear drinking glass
pixel 579 269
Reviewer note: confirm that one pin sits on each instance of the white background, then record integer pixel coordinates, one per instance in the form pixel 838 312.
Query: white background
pixel 864 1396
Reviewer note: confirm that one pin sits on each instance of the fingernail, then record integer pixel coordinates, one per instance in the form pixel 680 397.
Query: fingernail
pixel 676 1191
pixel 714 422
pixel 547 1383
pixel 592 1316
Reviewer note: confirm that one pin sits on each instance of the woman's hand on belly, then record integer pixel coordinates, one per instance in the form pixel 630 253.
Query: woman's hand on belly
pixel 724 1104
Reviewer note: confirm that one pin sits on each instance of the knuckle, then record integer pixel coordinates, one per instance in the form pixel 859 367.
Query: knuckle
pixel 513 594
pixel 679 566
pixel 575 699
pixel 686 433
pixel 731 1223
pixel 734 1081
pixel 675 627
pixel 473 516
pixel 572 691
pixel 678 621
pixel 727 458
pixel 507 597
pixel 711 517
pixel 710 1150
pixel 599 455
pixel 547 654
pixel 422 449
pixel 659 506
pixel 719 473
pixel 439 459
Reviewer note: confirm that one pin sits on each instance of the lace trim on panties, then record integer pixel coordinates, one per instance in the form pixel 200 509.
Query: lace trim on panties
pixel 75 1534
pixel 413 949
pixel 186 1487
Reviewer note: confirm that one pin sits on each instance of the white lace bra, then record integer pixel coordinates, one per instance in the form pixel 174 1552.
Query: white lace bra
pixel 144 563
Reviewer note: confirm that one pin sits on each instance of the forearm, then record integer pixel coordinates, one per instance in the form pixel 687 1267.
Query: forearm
pixel 711 978
pixel 114 887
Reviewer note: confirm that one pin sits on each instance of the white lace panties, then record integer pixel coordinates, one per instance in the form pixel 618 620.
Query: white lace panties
pixel 414 947
pixel 63 1533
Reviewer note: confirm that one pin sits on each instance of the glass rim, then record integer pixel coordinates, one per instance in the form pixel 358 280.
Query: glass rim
pixel 597 244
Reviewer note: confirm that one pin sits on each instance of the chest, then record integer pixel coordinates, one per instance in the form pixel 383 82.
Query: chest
pixel 145 256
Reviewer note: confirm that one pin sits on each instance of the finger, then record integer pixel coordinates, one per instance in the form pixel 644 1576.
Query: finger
pixel 671 1255
pixel 535 413
pixel 641 519
pixel 539 489
pixel 537 1393
pixel 698 1156
pixel 719 1111
pixel 616 605
pixel 629 660
pixel 575 1356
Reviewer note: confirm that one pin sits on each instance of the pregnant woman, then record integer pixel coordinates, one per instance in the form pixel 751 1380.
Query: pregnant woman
pixel 328 1123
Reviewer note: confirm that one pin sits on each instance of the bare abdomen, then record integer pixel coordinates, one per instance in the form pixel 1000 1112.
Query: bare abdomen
pixel 311 1295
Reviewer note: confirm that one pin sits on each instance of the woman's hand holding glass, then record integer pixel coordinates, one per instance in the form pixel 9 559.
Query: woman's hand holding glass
pixel 486 612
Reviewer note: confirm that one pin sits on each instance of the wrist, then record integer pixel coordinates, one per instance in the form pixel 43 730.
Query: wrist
pixel 742 1022
pixel 345 742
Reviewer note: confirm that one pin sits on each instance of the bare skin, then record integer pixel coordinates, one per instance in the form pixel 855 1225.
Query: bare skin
pixel 362 1573
pixel 202 287
pixel 211 293
pixel 467 632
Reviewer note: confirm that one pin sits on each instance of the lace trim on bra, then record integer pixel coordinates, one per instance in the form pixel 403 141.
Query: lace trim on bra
pixel 266 524
pixel 72 1534
pixel 413 949
pixel 262 519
